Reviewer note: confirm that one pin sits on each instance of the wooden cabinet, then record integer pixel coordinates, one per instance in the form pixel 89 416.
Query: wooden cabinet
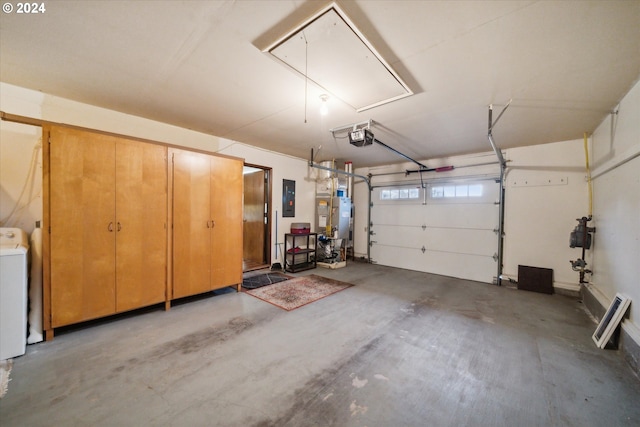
pixel 141 224
pixel 207 222
pixel 106 210
pixel 226 222
pixel 82 220
pixel 191 223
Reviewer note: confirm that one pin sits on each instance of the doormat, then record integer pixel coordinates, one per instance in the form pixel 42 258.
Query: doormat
pixel 261 280
pixel 299 291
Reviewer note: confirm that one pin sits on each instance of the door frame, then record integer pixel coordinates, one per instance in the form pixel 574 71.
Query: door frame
pixel 268 192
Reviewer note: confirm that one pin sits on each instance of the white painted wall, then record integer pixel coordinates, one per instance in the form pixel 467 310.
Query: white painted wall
pixel 284 167
pixel 616 207
pixel 545 191
pixel 20 162
pixel 18 141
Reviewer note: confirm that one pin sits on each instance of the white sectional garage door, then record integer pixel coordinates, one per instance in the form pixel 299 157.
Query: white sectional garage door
pixel 447 228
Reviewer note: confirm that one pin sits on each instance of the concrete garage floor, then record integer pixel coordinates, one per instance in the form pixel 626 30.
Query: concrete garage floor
pixel 400 348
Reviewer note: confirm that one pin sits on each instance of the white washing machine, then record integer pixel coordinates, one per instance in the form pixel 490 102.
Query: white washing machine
pixel 14 282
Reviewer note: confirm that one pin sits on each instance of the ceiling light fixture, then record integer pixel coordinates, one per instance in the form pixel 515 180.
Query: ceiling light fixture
pixel 324 108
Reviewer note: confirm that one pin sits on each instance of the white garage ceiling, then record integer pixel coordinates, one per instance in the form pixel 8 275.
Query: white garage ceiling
pixel 200 65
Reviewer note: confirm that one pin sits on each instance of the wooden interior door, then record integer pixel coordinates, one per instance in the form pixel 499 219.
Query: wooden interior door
pixel 191 223
pixel 254 216
pixel 141 235
pixel 82 224
pixel 226 213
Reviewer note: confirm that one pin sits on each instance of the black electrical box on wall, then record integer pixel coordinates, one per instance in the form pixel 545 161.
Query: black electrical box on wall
pixel 288 198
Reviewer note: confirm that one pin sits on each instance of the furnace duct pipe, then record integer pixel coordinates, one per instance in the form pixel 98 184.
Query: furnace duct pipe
pixel 503 166
pixel 348 167
pixel 353 175
pixel 338 171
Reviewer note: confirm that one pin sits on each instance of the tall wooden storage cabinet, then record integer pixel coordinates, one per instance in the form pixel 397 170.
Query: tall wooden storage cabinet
pixel 106 214
pixel 207 222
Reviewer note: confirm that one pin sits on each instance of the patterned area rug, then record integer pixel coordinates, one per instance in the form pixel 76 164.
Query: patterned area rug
pixel 299 291
pixel 260 280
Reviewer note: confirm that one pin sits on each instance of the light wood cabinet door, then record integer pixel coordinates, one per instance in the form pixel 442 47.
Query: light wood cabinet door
pixel 141 234
pixel 82 225
pixel 191 223
pixel 226 215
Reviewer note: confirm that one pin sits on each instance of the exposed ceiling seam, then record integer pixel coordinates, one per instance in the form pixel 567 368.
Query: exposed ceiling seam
pixel 466 32
pixel 193 40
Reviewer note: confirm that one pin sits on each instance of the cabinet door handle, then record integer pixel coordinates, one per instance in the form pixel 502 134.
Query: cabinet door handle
pixel 208 224
pixel 213 223
pixel 110 227
pixel 119 226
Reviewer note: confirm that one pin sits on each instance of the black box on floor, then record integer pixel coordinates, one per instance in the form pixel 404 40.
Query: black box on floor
pixel 535 279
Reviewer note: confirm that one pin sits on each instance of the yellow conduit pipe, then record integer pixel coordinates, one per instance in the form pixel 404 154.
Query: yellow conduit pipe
pixel 589 185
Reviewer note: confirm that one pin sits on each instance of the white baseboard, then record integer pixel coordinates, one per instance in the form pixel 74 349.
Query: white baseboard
pixel 564 288
pixel 602 298
pixel 632 330
pixel 572 288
